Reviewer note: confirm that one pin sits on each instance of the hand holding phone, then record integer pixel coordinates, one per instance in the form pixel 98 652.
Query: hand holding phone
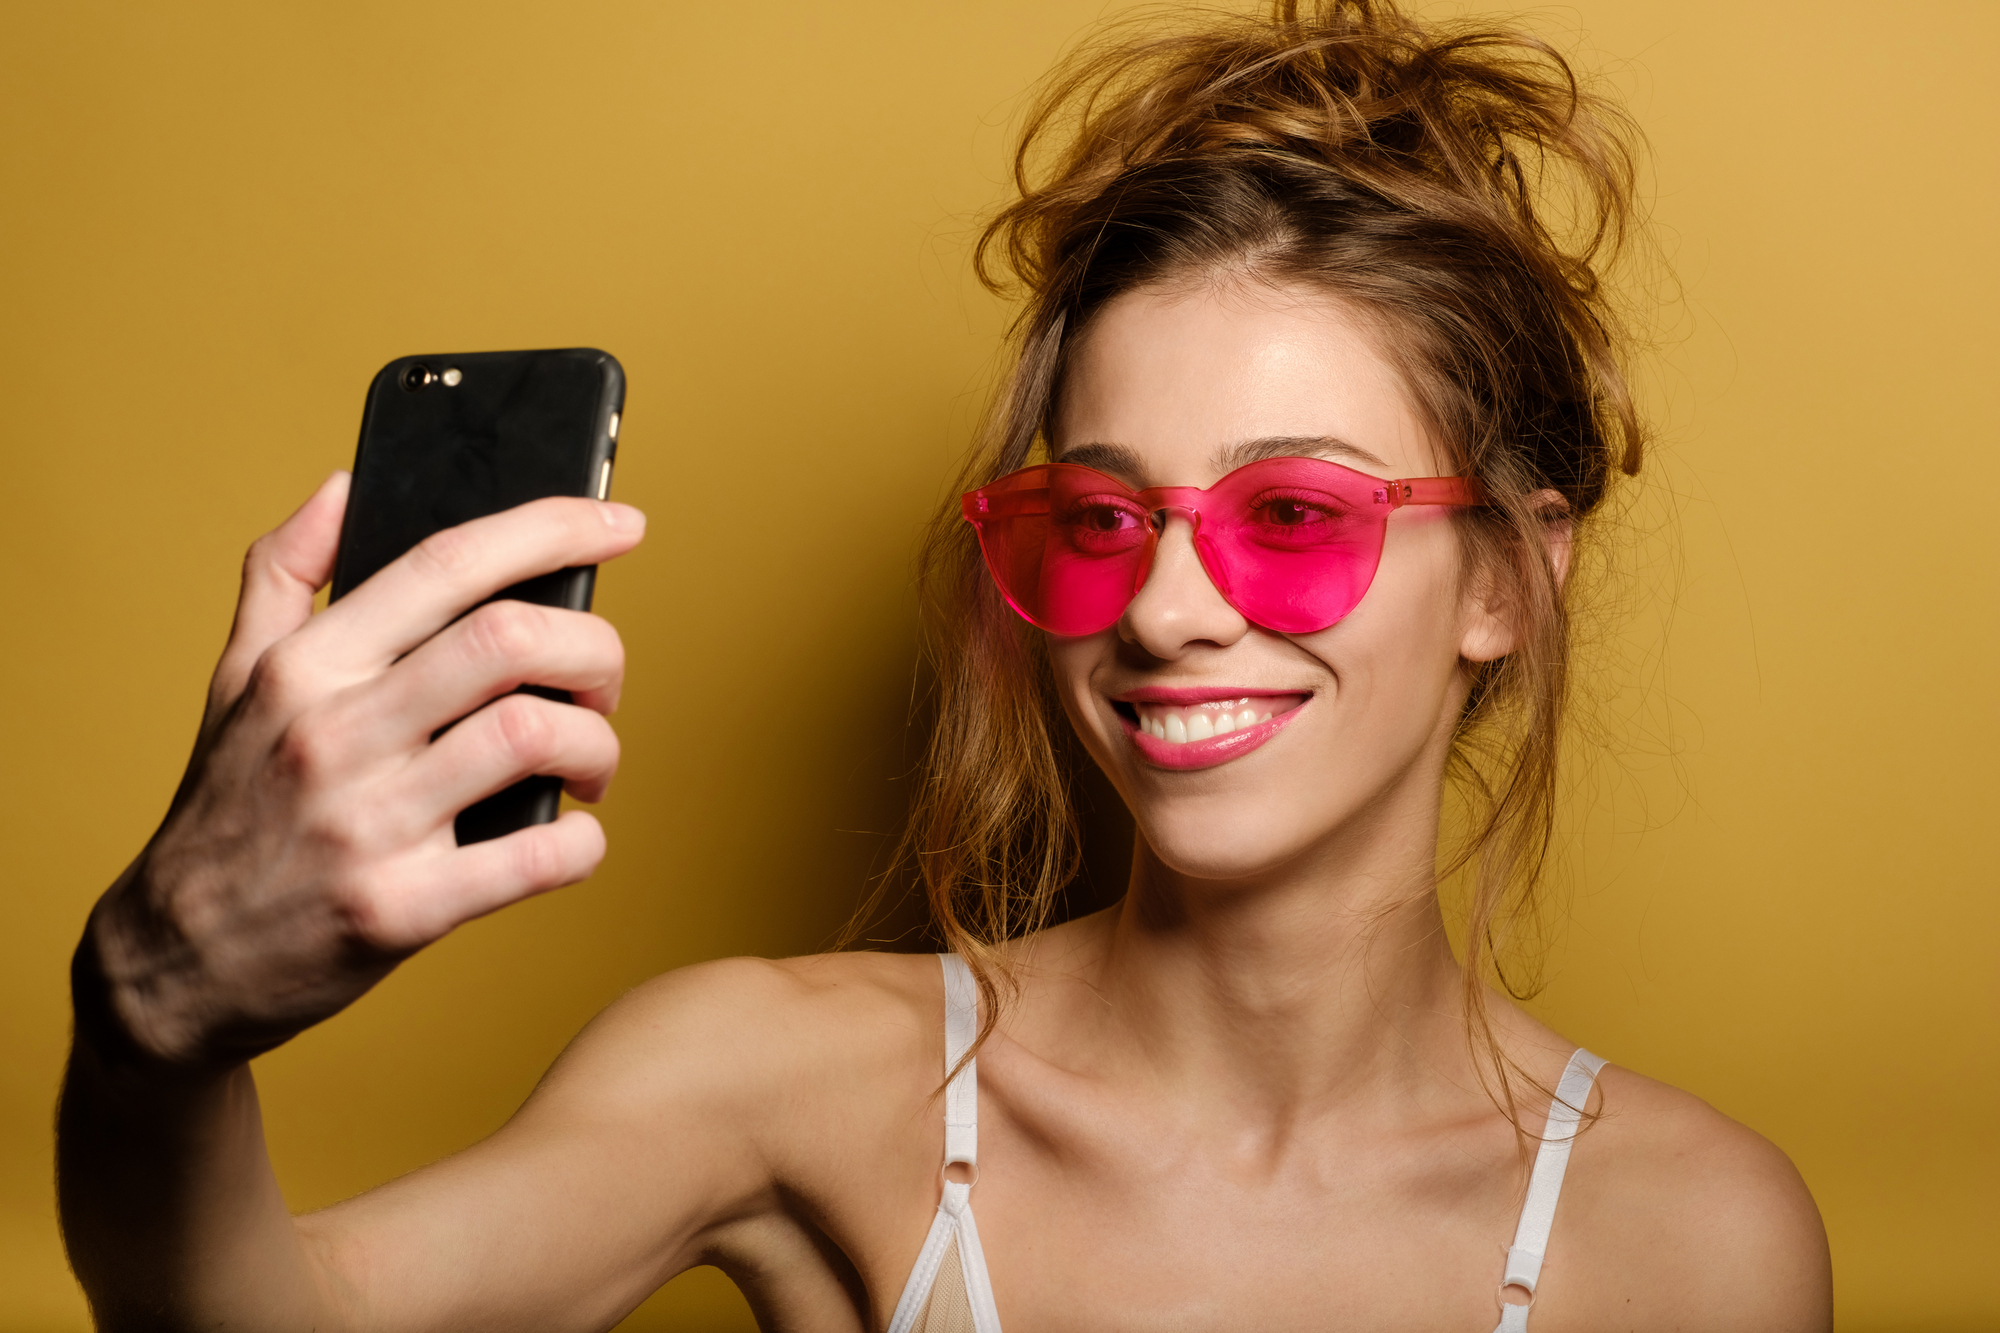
pixel 311 845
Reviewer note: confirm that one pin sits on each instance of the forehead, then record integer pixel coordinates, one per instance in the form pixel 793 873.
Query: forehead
pixel 1181 386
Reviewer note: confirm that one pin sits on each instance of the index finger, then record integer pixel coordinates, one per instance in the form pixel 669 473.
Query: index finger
pixel 447 573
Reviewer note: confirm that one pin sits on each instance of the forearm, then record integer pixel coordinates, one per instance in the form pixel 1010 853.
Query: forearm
pixel 170 1210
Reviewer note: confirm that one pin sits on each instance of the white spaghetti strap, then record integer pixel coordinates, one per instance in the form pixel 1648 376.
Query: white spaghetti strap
pixel 1538 1213
pixel 953 1226
pixel 961 1095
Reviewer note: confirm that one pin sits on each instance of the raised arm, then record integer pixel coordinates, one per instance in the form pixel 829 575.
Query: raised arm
pixel 309 850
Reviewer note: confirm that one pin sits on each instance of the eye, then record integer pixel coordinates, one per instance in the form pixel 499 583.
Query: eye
pixel 1289 513
pixel 1106 518
pixel 1104 524
pixel 1295 509
pixel 1294 518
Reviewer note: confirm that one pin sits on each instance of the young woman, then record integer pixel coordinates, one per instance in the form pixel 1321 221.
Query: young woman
pixel 1314 397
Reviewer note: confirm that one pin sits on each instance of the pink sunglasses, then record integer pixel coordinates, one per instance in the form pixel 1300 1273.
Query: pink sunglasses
pixel 1292 543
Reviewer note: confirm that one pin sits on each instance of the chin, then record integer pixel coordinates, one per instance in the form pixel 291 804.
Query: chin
pixel 1240 837
pixel 1206 865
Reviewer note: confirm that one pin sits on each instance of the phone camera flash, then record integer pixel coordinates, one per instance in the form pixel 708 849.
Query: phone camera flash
pixel 452 377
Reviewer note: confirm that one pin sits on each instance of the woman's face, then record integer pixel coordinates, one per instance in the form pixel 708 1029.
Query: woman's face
pixel 1177 389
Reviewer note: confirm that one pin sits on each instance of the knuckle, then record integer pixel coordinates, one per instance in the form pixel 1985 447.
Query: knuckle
pixel 504 631
pixel 449 552
pixel 539 861
pixel 369 916
pixel 258 557
pixel 310 747
pixel 524 730
pixel 282 677
pixel 344 828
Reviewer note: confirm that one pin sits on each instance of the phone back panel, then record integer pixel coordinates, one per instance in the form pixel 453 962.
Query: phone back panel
pixel 516 427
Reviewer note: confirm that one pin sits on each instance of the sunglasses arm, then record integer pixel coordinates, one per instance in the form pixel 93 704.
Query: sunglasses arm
pixel 980 505
pixel 1430 491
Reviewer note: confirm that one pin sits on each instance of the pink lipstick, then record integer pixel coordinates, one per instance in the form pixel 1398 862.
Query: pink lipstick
pixel 1199 728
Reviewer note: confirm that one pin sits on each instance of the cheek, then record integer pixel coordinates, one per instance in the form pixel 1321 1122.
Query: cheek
pixel 1417 588
pixel 1395 659
pixel 1074 663
pixel 1070 660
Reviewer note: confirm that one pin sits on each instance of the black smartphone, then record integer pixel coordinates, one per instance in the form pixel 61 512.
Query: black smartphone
pixel 447 439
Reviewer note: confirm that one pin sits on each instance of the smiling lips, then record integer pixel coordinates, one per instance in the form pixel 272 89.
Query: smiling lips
pixel 1183 729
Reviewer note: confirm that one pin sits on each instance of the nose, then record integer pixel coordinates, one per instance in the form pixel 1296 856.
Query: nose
pixel 1179 608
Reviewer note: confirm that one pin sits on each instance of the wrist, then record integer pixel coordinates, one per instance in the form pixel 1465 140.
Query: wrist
pixel 116 1014
pixel 97 1026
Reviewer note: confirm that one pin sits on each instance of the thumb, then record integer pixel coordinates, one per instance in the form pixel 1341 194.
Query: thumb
pixel 282 571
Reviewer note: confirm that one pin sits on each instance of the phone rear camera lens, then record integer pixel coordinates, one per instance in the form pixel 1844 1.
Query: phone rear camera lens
pixel 418 377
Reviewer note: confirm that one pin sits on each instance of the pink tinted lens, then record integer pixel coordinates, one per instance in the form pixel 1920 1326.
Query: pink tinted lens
pixel 1292 543
pixel 1068 545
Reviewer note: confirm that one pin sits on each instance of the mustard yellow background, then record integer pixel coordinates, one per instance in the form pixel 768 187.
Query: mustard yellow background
pixel 217 219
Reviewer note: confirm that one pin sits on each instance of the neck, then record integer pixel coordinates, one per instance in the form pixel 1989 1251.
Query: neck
pixel 1322 980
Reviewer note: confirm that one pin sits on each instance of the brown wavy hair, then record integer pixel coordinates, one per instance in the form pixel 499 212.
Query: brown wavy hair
pixel 1459 186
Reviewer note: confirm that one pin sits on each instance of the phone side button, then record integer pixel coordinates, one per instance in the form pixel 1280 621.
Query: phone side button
pixel 604 480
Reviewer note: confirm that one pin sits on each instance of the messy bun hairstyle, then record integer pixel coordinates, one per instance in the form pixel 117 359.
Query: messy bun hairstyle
pixel 1456 185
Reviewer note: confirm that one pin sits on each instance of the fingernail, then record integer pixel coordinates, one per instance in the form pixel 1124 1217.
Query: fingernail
pixel 622 516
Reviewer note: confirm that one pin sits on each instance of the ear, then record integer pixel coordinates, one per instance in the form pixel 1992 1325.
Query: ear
pixel 1493 623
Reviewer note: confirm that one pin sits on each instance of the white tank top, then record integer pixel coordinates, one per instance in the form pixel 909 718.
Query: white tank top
pixel 949 1292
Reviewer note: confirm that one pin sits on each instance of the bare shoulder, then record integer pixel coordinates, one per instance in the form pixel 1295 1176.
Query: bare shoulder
pixel 730 1028
pixel 1680 1217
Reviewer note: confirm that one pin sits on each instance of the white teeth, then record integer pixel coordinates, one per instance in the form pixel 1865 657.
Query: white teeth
pixel 1179 724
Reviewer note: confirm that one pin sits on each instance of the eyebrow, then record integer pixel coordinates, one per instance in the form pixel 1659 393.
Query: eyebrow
pixel 1234 456
pixel 1119 460
pixel 1122 461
